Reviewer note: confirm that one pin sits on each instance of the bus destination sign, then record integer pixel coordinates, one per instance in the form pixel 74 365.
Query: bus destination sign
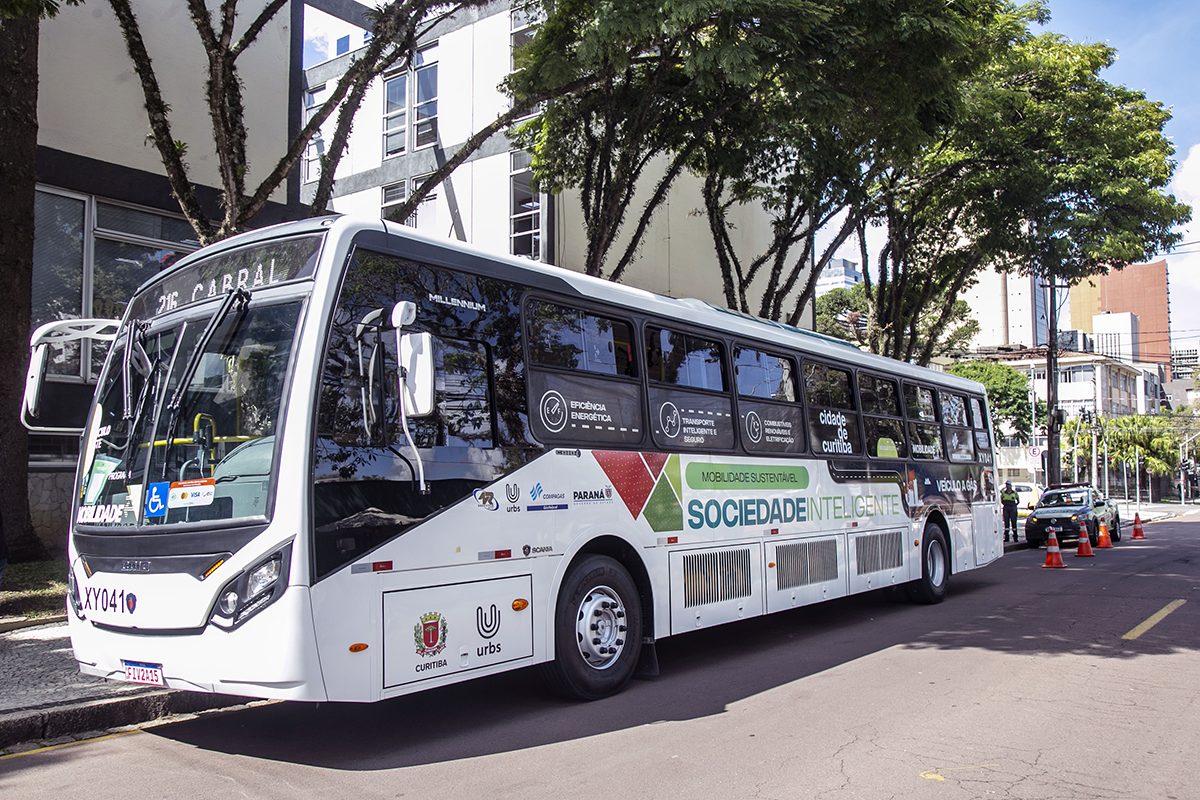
pixel 248 268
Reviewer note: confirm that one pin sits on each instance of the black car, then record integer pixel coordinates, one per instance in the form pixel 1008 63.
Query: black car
pixel 1071 509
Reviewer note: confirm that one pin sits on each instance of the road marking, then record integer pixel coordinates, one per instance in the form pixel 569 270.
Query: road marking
pixel 932 775
pixel 1153 619
pixel 48 748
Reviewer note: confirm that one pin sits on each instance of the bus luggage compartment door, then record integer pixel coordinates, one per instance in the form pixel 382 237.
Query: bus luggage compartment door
pixel 713 586
pixel 437 631
pixel 878 560
pixel 804 571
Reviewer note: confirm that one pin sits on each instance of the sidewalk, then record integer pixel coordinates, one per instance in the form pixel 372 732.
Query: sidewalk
pixel 43 696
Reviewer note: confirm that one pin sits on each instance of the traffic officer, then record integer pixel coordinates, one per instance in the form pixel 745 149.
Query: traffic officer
pixel 1009 499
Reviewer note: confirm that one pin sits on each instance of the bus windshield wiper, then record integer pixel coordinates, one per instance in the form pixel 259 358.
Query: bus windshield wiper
pixel 134 337
pixel 237 299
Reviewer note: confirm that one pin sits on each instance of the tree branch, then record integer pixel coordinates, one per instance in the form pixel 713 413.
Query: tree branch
pixel 157 113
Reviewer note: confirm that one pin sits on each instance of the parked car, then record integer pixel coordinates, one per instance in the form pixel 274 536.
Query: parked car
pixel 1071 509
pixel 1028 494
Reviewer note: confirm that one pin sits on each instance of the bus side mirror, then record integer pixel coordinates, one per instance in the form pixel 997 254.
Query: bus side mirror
pixel 33 380
pixel 416 376
pixel 59 332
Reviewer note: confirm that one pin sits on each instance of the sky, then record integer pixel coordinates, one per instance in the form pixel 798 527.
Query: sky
pixel 1155 42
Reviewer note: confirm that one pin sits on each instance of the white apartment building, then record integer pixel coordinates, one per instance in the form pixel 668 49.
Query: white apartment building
pixel 1116 335
pixel 839 273
pixel 1010 309
pixel 412 119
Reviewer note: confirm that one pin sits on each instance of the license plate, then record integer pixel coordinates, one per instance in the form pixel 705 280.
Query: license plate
pixel 142 672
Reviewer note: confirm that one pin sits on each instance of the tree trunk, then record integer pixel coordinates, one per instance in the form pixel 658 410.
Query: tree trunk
pixel 18 128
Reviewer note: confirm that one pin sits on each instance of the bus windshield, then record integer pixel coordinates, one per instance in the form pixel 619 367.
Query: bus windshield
pixel 156 454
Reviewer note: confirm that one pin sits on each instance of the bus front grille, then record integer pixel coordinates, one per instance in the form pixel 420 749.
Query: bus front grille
pixel 879 551
pixel 805 563
pixel 714 577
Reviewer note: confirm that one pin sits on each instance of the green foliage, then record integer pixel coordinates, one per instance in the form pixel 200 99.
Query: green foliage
pixel 876 84
pixel 1046 167
pixel 775 98
pixel 843 313
pixel 41 9
pixel 1008 394
pixel 1155 438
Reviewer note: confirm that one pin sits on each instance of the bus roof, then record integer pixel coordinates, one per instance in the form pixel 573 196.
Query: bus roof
pixel 691 310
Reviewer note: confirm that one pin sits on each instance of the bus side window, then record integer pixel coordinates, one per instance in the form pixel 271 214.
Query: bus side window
pixel 769 412
pixel 924 434
pixel 882 417
pixel 983 441
pixel 832 413
pixel 959 444
pixel 690 407
pixel 462 415
pixel 583 377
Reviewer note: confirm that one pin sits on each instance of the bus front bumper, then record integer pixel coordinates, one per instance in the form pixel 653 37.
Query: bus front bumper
pixel 273 655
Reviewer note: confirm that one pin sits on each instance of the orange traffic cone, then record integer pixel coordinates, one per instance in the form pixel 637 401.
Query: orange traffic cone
pixel 1053 554
pixel 1103 540
pixel 1138 533
pixel 1084 548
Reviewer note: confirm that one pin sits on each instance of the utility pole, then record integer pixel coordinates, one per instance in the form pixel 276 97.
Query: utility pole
pixel 1075 450
pixel 1053 456
pixel 1137 475
pixel 1106 466
pixel 1095 481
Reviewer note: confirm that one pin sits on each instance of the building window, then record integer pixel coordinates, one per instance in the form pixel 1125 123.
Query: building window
pixel 394 195
pixel 525 19
pixel 423 78
pixel 395 115
pixel 313 100
pixel 424 216
pixel 89 256
pixel 525 208
pixel 425 104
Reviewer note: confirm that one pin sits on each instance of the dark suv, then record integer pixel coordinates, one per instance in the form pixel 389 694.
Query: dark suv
pixel 1071 509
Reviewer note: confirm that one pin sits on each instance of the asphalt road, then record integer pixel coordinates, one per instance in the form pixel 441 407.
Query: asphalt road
pixel 1020 685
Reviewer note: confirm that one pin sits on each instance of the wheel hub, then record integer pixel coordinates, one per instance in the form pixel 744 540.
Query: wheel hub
pixel 935 562
pixel 600 627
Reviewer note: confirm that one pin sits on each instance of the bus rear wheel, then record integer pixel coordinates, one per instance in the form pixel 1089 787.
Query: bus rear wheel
pixel 930 588
pixel 597 630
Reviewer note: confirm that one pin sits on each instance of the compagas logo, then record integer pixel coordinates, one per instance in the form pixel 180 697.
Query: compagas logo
pixel 430 634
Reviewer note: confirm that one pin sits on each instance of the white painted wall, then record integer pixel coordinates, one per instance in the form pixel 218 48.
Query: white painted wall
pixel 677 256
pixel 90 101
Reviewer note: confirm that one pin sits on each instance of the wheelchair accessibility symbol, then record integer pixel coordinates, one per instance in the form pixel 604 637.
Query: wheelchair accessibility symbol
pixel 156 499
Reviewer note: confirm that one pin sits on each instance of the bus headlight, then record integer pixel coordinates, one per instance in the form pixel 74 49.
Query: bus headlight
pixel 263 576
pixel 251 591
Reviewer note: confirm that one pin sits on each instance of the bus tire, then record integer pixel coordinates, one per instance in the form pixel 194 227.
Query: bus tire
pixel 930 588
pixel 597 630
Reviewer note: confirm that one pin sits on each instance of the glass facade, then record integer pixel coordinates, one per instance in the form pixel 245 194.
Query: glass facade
pixel 89 257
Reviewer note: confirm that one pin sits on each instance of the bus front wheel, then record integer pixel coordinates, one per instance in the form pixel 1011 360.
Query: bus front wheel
pixel 935 568
pixel 597 630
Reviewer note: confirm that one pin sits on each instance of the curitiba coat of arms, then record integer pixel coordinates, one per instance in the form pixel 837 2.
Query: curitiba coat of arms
pixel 430 634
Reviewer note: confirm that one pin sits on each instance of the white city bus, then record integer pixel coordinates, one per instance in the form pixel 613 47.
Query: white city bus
pixel 563 471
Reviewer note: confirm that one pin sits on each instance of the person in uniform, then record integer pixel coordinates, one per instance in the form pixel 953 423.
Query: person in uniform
pixel 1009 500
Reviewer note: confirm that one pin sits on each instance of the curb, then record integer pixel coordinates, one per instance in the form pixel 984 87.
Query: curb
pixel 70 719
pixel 23 622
